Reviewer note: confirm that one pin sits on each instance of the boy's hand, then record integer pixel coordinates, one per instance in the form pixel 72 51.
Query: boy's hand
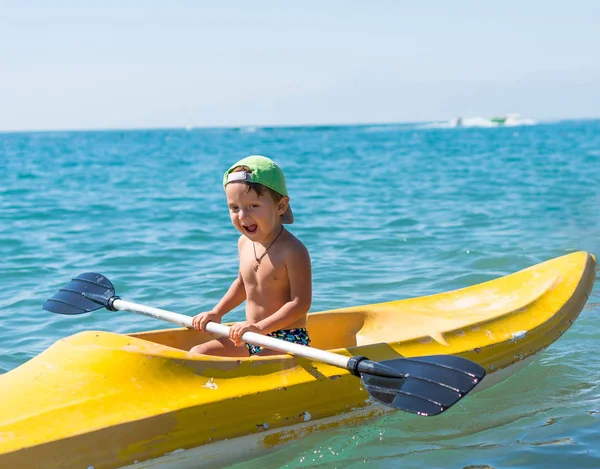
pixel 239 328
pixel 200 320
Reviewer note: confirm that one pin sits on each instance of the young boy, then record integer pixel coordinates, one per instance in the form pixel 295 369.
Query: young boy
pixel 275 273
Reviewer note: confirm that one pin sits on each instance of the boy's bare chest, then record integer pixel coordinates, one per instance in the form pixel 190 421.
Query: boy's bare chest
pixel 266 272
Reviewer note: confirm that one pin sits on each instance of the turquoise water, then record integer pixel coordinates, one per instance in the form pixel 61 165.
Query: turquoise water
pixel 387 212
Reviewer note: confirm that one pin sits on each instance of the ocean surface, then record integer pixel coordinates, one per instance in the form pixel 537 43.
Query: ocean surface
pixel 387 212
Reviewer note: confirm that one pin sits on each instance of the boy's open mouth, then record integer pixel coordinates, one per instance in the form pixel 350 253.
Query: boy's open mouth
pixel 250 228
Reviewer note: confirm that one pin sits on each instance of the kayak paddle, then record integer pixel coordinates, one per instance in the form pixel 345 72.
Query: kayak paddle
pixel 425 385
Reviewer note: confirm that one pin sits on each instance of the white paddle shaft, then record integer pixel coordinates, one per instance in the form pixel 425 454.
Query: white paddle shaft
pixel 249 337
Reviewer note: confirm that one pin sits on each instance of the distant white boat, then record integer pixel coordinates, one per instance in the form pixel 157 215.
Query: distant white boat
pixel 507 120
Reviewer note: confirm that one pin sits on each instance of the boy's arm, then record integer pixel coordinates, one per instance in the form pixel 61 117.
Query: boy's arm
pixel 234 297
pixel 236 293
pixel 300 278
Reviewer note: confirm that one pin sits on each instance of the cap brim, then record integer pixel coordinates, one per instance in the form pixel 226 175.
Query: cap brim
pixel 288 216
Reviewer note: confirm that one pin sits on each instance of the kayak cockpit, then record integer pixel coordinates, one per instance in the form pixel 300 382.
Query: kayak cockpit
pixel 327 331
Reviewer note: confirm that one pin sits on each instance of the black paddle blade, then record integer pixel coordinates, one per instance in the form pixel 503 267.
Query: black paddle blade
pixel 422 385
pixel 85 293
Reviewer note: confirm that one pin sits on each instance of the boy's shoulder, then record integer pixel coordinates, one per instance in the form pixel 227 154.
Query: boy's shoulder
pixel 291 237
pixel 294 247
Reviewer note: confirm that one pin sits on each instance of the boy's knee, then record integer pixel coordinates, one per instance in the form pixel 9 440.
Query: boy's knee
pixel 197 349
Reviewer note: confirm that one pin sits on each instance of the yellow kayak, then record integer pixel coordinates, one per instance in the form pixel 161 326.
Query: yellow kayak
pixel 102 400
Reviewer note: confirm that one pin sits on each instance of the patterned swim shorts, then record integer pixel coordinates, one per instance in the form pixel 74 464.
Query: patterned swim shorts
pixel 296 336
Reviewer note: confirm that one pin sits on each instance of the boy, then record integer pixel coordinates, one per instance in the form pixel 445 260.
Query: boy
pixel 275 273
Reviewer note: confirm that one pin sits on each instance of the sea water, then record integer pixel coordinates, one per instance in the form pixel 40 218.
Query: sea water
pixel 387 212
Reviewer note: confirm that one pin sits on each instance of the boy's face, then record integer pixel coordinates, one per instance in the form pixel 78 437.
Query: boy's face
pixel 253 215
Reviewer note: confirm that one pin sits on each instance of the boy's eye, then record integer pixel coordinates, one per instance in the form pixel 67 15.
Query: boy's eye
pixel 234 209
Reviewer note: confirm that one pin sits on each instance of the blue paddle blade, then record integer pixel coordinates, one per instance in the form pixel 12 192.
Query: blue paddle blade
pixel 426 385
pixel 85 293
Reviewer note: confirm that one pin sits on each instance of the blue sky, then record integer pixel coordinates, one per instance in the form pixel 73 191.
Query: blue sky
pixel 110 64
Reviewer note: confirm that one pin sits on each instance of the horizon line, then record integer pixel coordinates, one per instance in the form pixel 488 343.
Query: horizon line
pixel 258 126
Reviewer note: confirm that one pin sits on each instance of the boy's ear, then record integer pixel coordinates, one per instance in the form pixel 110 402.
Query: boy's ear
pixel 282 205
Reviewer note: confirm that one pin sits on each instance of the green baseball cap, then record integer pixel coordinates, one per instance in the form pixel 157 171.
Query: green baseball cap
pixel 263 171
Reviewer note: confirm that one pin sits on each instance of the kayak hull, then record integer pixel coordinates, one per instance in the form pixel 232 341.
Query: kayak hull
pixel 104 400
pixel 223 453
